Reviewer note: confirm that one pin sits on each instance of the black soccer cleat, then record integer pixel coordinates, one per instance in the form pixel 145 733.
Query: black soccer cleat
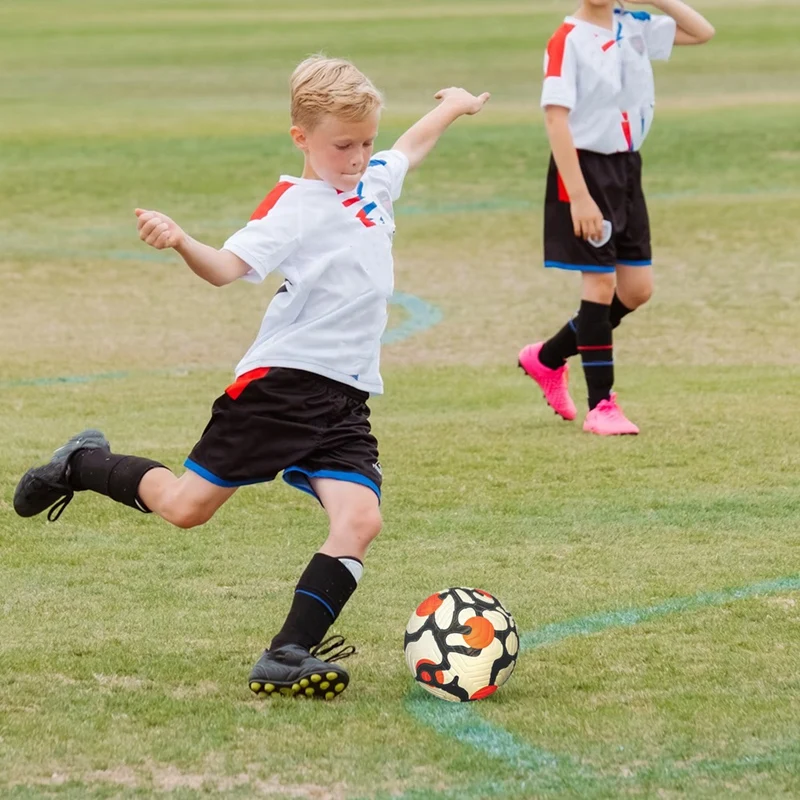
pixel 291 670
pixel 48 486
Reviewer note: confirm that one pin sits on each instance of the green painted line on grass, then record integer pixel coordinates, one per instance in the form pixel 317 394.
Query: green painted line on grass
pixel 422 316
pixel 546 772
pixel 585 626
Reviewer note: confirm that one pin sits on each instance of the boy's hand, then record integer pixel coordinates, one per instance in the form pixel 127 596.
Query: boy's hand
pixel 158 230
pixel 587 219
pixel 462 100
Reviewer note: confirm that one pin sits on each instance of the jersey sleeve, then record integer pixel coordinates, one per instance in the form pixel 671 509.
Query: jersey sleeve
pixel 387 170
pixel 560 70
pixel 659 34
pixel 272 234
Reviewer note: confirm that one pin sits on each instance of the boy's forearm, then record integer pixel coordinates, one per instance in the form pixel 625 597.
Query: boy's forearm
pixel 218 267
pixel 688 20
pixel 418 141
pixel 565 155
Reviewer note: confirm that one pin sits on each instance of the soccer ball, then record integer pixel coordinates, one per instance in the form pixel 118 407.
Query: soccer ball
pixel 461 644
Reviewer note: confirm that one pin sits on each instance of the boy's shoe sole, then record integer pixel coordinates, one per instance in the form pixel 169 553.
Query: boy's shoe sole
pixel 48 486
pixel 291 671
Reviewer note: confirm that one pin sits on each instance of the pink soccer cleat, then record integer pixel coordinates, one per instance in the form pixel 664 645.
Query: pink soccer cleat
pixel 552 382
pixel 607 419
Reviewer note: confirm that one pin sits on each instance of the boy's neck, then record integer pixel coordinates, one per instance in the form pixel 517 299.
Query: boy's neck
pixel 602 17
pixel 308 172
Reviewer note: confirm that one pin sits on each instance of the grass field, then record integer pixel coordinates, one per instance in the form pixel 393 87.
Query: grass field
pixel 655 581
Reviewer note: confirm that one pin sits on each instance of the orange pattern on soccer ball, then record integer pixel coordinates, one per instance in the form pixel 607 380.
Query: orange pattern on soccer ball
pixel 481 633
pixel 425 676
pixel 429 605
pixel 485 692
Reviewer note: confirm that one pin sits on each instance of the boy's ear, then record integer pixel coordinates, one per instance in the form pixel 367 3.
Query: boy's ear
pixel 299 137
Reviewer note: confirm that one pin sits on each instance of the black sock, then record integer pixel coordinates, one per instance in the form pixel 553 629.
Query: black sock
pixel 117 477
pixel 557 349
pixel 321 594
pixel 596 349
pixel 618 311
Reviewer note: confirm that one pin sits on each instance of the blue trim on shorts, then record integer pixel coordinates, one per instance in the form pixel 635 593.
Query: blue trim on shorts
pixel 299 478
pixel 597 363
pixel 625 263
pixel 217 481
pixel 577 267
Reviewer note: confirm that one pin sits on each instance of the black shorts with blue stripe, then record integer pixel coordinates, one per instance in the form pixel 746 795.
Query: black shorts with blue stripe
pixel 276 419
pixel 615 183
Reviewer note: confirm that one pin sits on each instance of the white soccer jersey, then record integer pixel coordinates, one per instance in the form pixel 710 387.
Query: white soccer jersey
pixel 605 78
pixel 334 251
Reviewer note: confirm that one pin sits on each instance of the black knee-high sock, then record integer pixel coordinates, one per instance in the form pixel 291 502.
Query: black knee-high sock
pixel 596 349
pixel 115 476
pixel 617 311
pixel 557 349
pixel 322 591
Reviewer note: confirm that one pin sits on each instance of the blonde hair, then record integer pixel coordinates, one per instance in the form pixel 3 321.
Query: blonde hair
pixel 322 85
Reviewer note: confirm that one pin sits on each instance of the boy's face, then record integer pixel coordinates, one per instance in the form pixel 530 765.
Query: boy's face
pixel 337 151
pixel 595 4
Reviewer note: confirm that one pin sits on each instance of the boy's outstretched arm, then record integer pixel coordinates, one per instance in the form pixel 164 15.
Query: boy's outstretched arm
pixel 693 27
pixel 421 137
pixel 218 267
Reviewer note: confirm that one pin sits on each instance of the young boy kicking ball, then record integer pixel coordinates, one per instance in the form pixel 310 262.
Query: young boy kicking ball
pixel 298 404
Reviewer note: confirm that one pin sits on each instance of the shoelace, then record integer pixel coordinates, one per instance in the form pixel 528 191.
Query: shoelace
pixel 331 644
pixel 56 510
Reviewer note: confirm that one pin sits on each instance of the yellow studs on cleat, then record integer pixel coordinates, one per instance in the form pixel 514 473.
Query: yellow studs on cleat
pixel 312 686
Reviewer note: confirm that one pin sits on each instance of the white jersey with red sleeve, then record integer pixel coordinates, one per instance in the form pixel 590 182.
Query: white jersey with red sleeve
pixel 334 251
pixel 604 77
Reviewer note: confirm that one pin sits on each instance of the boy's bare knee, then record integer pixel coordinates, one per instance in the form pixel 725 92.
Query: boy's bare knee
pixel 636 297
pixel 184 514
pixel 598 287
pixel 364 526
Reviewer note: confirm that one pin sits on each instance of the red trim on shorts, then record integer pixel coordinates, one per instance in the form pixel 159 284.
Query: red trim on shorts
pixel 268 203
pixel 589 348
pixel 563 194
pixel 555 50
pixel 243 381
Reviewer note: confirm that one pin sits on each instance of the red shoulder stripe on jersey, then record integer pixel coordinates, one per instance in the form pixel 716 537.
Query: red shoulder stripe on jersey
pixel 268 203
pixel 555 50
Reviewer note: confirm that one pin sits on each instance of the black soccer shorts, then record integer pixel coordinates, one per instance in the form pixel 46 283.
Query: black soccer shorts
pixel 615 184
pixel 278 419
